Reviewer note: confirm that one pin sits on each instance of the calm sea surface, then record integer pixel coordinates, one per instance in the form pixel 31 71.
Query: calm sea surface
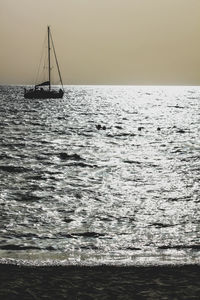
pixel 73 194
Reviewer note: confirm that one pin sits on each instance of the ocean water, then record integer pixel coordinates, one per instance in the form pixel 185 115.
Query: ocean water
pixel 129 194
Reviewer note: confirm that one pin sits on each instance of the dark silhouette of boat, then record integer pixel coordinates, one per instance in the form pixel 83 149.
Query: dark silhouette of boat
pixel 44 90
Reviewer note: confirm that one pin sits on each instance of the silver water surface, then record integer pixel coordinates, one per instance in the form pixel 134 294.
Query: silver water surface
pixel 73 193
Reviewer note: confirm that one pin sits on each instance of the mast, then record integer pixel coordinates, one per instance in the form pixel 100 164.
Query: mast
pixel 49 58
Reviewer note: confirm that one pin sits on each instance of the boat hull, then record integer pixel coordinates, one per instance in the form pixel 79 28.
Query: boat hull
pixel 38 94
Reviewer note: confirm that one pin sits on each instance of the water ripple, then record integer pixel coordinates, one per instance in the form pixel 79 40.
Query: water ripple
pixel 125 191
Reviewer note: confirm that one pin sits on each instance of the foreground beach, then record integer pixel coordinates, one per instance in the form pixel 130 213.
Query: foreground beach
pixel 103 282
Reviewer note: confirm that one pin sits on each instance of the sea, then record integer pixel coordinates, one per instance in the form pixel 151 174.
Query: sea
pixel 108 175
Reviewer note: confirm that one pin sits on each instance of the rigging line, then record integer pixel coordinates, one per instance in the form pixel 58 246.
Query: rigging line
pixel 56 61
pixel 42 54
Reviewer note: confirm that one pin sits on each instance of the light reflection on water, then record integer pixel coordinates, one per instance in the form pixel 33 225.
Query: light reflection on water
pixel 127 193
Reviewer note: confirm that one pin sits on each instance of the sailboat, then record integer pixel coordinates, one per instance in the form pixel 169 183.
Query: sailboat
pixel 38 92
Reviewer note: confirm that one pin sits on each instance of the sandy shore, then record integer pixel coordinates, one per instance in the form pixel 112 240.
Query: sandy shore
pixel 103 282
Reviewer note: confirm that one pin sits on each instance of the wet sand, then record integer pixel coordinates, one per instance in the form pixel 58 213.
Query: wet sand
pixel 103 282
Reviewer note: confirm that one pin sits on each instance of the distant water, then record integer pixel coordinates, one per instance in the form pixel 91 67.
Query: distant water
pixel 72 194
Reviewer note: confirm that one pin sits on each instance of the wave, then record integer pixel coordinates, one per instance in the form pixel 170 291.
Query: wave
pixel 133 248
pixel 66 156
pixel 180 247
pixel 83 234
pixel 132 162
pixel 5 156
pixel 65 263
pixel 81 164
pixel 18 247
pixel 121 135
pixel 161 225
pixel 26 197
pixel 14 169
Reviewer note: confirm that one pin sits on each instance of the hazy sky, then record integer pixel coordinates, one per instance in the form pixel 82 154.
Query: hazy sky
pixel 103 41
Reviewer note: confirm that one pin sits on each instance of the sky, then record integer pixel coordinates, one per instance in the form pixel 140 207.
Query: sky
pixel 123 42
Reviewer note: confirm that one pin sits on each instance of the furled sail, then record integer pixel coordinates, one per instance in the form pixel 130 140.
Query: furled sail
pixel 43 83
